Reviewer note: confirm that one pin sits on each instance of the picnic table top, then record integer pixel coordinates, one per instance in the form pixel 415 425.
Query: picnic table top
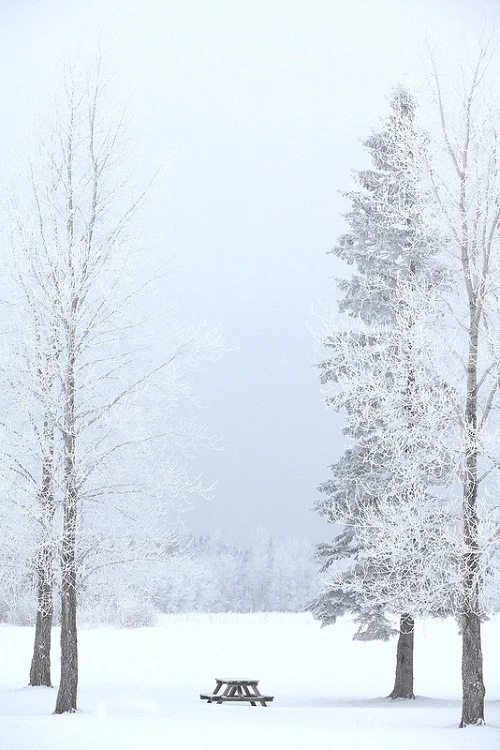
pixel 236 681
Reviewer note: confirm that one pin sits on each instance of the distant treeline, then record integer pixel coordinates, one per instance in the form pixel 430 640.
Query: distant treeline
pixel 200 574
pixel 270 575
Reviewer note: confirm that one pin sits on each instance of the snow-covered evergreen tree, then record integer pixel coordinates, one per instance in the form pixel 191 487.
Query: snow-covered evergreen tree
pixel 383 378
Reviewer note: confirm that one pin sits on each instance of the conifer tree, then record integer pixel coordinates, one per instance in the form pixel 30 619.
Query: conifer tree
pixel 380 370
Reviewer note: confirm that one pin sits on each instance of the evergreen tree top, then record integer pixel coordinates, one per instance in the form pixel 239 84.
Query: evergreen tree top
pixel 387 240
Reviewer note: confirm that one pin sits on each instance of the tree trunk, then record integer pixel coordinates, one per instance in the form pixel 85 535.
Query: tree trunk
pixel 68 687
pixel 40 663
pixel 403 683
pixel 473 691
pixel 472 658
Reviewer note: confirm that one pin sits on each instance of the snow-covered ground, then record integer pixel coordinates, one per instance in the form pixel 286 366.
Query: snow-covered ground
pixel 139 689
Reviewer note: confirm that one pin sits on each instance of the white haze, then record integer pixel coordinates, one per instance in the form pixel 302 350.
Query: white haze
pixel 260 108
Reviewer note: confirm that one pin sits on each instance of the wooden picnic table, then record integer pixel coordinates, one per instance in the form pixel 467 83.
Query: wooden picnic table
pixel 237 690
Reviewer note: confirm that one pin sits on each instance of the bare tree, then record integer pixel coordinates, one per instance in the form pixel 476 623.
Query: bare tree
pixel 466 184
pixel 29 375
pixel 95 434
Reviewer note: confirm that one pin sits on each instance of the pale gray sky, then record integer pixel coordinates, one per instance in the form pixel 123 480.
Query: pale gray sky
pixel 261 107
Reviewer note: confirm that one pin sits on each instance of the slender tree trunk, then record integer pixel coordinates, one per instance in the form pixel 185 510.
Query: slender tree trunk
pixel 473 690
pixel 67 694
pixel 403 683
pixel 68 687
pixel 40 663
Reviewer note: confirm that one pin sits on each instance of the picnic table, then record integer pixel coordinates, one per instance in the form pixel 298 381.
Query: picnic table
pixel 238 690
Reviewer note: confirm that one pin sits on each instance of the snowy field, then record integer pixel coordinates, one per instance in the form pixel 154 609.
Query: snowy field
pixel 139 689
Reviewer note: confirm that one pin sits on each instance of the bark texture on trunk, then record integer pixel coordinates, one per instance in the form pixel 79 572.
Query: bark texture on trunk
pixel 472 671
pixel 473 690
pixel 68 687
pixel 403 683
pixel 40 662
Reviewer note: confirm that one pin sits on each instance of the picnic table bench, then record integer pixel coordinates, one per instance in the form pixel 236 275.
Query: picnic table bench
pixel 238 690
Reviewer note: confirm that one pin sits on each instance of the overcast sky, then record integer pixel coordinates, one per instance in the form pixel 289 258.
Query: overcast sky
pixel 260 107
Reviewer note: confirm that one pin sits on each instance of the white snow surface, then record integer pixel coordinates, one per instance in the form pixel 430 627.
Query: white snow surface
pixel 139 689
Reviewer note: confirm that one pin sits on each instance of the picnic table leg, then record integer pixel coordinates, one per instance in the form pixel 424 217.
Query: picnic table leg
pixel 229 691
pixel 257 694
pixel 218 685
pixel 247 691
